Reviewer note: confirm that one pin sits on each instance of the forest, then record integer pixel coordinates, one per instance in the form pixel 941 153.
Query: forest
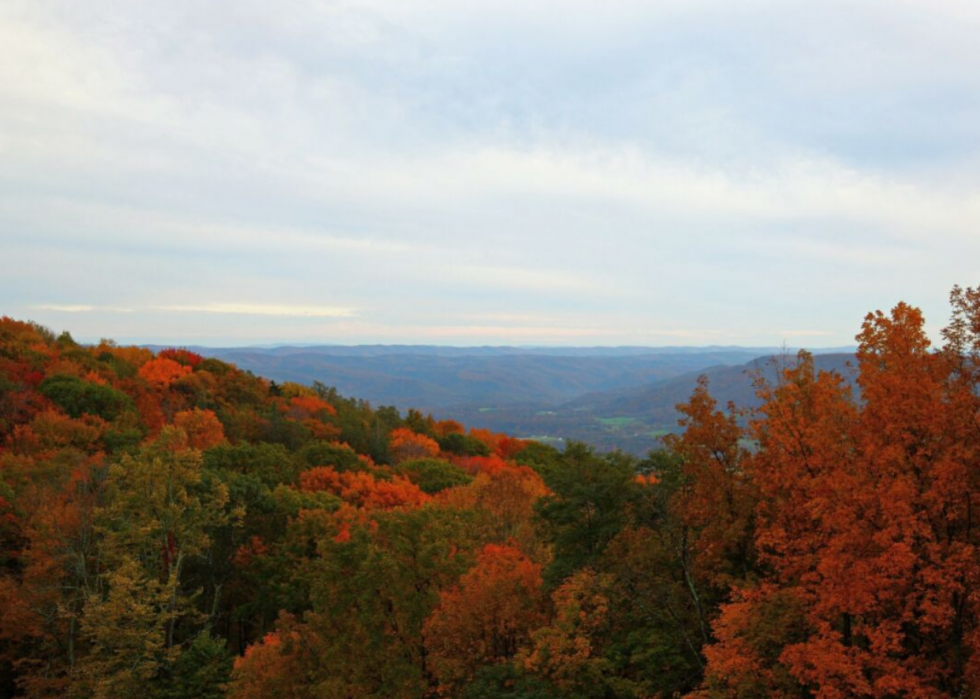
pixel 172 527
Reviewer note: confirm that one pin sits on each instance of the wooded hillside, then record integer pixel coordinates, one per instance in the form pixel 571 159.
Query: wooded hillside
pixel 174 527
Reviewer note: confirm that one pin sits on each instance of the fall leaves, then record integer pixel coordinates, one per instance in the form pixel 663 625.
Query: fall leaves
pixel 164 517
pixel 865 527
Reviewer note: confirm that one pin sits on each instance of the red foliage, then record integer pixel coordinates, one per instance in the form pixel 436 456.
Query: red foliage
pixel 363 489
pixel 181 356
pixel 246 554
pixel 303 407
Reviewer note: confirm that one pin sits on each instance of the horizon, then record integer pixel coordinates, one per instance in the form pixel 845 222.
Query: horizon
pixel 156 345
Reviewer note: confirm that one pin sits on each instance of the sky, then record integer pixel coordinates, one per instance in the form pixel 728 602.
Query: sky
pixel 468 172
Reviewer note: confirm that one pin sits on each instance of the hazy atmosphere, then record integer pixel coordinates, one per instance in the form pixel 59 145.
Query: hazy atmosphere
pixel 670 173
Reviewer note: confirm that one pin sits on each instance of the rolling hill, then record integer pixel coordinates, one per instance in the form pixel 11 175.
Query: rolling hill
pixel 613 398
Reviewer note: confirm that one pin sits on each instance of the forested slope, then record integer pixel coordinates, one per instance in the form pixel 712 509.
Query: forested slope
pixel 174 527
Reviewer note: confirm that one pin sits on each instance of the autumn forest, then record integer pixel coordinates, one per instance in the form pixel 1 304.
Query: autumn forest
pixel 172 527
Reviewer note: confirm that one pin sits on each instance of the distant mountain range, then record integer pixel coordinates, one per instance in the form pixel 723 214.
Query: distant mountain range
pixel 620 397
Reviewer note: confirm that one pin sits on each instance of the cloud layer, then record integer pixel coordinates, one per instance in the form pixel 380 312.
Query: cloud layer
pixel 432 171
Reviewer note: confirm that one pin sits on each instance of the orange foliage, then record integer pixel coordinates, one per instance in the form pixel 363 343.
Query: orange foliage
pixel 718 503
pixel 53 430
pixel 405 444
pixel 93 377
pixel 162 371
pixel 273 666
pixel 647 479
pixel 150 410
pixel 444 428
pixel 505 491
pixel 866 522
pixel 202 427
pixel 499 444
pixel 248 552
pixel 363 489
pixel 487 617
pixel 135 356
pixel 565 651
pixel 302 407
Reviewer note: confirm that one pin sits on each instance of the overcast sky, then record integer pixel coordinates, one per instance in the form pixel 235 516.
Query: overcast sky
pixel 500 172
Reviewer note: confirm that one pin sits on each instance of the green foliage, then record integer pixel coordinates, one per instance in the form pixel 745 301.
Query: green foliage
pixel 372 594
pixel 540 457
pixel 120 368
pixel 122 439
pixel 591 501
pixel 278 430
pixel 269 463
pixel 463 444
pixel 291 502
pixel 215 366
pixel 340 457
pixel 433 475
pixel 202 670
pixel 77 397
pixel 504 681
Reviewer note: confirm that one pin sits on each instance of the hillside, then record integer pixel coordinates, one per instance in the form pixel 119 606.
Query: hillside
pixel 434 378
pixel 634 419
pixel 173 527
pixel 608 397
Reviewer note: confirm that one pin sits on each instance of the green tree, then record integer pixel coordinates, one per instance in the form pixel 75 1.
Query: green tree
pixel 433 475
pixel 591 501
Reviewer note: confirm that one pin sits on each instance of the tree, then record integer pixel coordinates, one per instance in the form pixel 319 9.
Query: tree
pixel 79 397
pixel 127 633
pixel 202 670
pixel 433 475
pixel 161 372
pixel 568 651
pixel 589 504
pixel 404 444
pixel 202 427
pixel 486 618
pixel 274 666
pixel 161 512
pixel 717 498
pixel 866 524
pixel 371 595
pixel 362 489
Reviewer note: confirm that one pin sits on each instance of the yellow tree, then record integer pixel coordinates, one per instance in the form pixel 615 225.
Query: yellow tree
pixel 159 514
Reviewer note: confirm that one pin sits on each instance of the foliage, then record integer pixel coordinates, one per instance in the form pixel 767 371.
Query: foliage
pixel 486 618
pixel 79 397
pixel 173 527
pixel 433 475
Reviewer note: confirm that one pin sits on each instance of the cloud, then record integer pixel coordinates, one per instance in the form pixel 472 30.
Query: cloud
pixel 253 309
pixel 682 164
pixel 64 308
pixel 79 308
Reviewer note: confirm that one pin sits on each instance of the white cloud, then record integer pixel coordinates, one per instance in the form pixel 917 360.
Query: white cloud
pixel 258 309
pixel 65 308
pixel 594 169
